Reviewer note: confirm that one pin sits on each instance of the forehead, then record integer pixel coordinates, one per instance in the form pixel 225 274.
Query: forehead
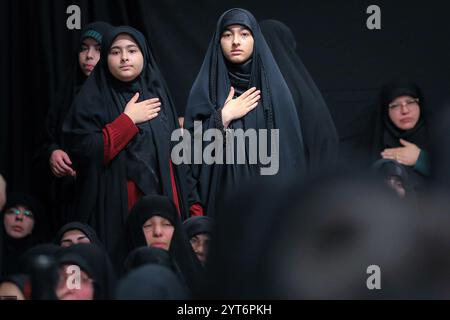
pixel 202 236
pixel 73 232
pixel 90 42
pixel 157 218
pixel 236 28
pixel 402 98
pixel 124 40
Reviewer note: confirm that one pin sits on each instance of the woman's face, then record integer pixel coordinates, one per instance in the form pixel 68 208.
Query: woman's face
pixel 73 285
pixel 200 244
pixel 237 43
pixel 89 55
pixel 18 221
pixel 404 112
pixel 158 232
pixel 72 237
pixel 125 59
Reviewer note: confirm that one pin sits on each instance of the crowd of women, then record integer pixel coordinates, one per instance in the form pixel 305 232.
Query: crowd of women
pixel 127 222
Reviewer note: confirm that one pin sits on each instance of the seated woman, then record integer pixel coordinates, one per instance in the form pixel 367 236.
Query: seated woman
pixel 401 132
pixel 97 279
pixel 198 230
pixel 18 230
pixel 76 232
pixel 154 222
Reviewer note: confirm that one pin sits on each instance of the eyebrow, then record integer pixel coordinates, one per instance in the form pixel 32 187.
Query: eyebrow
pixel 240 28
pixel 127 47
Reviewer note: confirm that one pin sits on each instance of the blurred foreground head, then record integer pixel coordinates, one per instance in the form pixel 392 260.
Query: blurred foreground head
pixel 317 239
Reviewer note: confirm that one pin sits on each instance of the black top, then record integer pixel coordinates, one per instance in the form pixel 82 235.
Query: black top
pixel 276 109
pixel 319 133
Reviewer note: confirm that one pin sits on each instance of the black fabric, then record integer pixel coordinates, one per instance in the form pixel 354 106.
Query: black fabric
pixel 11 248
pixel 86 229
pixel 151 282
pixel 276 110
pixel 61 190
pixel 386 168
pixel 180 249
pixel 321 141
pixel 146 255
pixel 197 225
pixel 46 249
pixel 95 262
pixel 101 194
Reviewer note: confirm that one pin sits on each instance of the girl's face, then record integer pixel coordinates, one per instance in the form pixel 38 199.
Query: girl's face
pixel 404 112
pixel 74 285
pixel 158 232
pixel 237 43
pixel 18 222
pixel 89 55
pixel 125 59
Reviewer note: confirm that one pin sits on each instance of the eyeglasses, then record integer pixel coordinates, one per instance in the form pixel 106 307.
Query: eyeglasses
pixel 17 212
pixel 409 103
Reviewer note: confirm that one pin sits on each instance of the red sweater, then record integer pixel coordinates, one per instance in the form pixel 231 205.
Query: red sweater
pixel 116 136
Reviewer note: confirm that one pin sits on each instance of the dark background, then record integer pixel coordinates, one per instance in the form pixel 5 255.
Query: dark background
pixel 348 62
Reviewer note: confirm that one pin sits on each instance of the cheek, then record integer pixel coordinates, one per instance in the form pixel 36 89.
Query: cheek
pixel 28 225
pixel 148 236
pixel 86 292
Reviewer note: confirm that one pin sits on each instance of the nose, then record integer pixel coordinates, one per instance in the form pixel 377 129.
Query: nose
pixel 235 40
pixel 90 53
pixel 405 108
pixel 124 56
pixel 157 231
pixel 19 217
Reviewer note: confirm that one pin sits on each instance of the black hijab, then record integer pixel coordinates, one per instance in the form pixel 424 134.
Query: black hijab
pixel 102 193
pixel 197 225
pixel 147 255
pixel 12 249
pixel 93 260
pixel 151 282
pixel 276 108
pixel 73 81
pixel 180 249
pixel 86 229
pixel 387 135
pixel 319 133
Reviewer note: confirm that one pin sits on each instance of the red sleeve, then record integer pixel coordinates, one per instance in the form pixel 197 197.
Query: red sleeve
pixel 116 136
pixel 196 210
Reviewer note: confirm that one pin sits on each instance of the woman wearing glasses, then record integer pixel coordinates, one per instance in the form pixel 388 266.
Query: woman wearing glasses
pixel 17 233
pixel 401 132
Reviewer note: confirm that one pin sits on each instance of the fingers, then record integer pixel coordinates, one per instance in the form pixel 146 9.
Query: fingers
pixel 66 159
pixel 135 97
pixel 405 143
pixel 247 93
pixel 230 95
pixel 253 100
pixel 151 101
pixel 253 106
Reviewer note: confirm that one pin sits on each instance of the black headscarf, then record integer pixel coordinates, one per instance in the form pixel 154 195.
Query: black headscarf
pixel 180 249
pixel 197 225
pixel 385 168
pixel 93 260
pixel 319 133
pixel 11 248
pixel 151 282
pixel 102 193
pixel 276 108
pixel 60 190
pixel 146 255
pixel 86 229
pixel 387 135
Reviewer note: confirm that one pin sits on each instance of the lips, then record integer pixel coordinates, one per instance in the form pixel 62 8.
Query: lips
pixel 236 52
pixel 406 120
pixel 89 67
pixel 125 67
pixel 161 245
pixel 17 228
